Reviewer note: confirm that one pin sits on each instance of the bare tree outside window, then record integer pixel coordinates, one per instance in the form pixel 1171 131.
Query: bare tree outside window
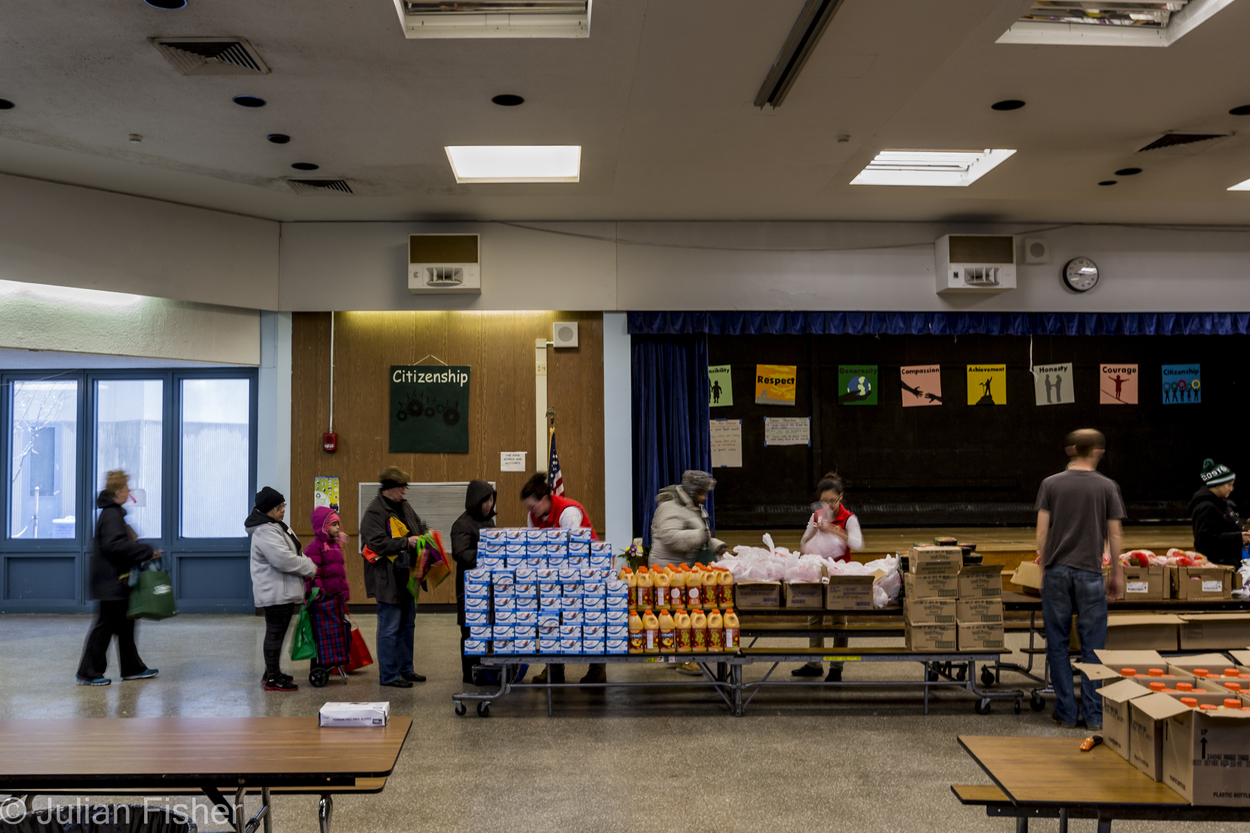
pixel 43 463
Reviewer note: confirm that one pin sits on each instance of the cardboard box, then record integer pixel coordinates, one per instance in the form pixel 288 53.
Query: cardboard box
pixel 931 585
pixel 1028 577
pixel 1217 686
pixel 930 637
pixel 980 636
pixel 1213 663
pixel 981 581
pixel 931 611
pixel 1219 631
pixel 1242 657
pixel 354 714
pixel 1147 583
pixel 749 594
pixel 1147 716
pixel 1115 713
pixel 989 611
pixel 935 559
pixel 1154 631
pixel 1204 757
pixel 809 596
pixel 849 592
pixel 1190 583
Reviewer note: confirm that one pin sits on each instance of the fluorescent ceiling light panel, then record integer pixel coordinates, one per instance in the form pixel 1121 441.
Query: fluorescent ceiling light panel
pixel 1122 23
pixel 1244 185
pixel 89 299
pixel 494 18
pixel 516 163
pixel 948 168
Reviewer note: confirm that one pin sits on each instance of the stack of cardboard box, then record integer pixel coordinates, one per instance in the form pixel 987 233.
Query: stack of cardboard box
pixel 948 605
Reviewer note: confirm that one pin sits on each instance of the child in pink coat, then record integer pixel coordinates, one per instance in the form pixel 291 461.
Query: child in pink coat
pixel 331 628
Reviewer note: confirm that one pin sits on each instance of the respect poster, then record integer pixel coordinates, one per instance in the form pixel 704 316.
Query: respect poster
pixel 720 386
pixel 987 384
pixel 1182 384
pixel 1052 384
pixel 857 384
pixel 1117 384
pixel 775 384
pixel 921 384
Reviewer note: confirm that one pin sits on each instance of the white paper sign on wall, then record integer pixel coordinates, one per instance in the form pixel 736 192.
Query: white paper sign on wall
pixel 512 461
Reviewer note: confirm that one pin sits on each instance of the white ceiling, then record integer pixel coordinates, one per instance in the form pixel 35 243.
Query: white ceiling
pixel 659 96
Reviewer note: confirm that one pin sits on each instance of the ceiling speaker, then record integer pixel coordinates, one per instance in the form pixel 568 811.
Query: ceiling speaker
pixel 564 334
pixel 1036 252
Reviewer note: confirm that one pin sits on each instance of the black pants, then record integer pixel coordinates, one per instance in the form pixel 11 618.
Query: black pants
pixel 466 663
pixel 111 621
pixel 277 620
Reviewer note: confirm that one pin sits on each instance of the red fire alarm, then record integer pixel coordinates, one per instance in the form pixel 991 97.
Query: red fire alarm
pixel 330 442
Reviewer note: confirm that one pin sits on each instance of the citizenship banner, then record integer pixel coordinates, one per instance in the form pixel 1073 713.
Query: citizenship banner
pixel 1117 384
pixel 775 384
pixel 921 385
pixel 1182 384
pixel 429 409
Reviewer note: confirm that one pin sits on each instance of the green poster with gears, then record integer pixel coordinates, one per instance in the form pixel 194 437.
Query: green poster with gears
pixel 429 409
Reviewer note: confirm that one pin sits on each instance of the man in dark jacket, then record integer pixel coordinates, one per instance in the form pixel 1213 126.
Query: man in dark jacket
pixel 115 552
pixel 1217 527
pixel 394 548
pixel 479 512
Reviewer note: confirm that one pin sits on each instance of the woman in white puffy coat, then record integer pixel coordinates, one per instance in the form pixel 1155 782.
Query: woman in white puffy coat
pixel 679 528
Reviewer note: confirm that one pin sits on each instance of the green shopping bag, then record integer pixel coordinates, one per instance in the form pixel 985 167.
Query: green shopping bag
pixel 152 596
pixel 303 646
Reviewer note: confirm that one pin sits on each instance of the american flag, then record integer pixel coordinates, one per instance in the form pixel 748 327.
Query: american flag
pixel 555 478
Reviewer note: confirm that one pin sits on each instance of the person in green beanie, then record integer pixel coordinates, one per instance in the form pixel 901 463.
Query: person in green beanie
pixel 1217 526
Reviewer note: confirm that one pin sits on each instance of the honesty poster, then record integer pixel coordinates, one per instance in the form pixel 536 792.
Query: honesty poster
pixel 1117 384
pixel 720 386
pixel 1182 384
pixel 1052 384
pixel 857 384
pixel 775 384
pixel 987 384
pixel 726 437
pixel 921 384
pixel 429 409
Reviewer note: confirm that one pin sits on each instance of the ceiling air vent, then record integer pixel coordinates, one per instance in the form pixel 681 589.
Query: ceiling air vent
pixel 1171 140
pixel 211 56
pixel 319 186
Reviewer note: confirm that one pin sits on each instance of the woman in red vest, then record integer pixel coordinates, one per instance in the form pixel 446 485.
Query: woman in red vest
pixel 547 511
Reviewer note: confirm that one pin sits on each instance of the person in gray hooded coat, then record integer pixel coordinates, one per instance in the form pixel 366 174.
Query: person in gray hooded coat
pixel 680 532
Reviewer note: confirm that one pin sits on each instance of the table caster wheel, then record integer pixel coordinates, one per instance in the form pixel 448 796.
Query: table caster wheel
pixel 461 710
pixel 319 677
pixel 483 709
pixel 1036 703
pixel 987 677
pixel 962 673
pixel 983 706
pixel 1016 706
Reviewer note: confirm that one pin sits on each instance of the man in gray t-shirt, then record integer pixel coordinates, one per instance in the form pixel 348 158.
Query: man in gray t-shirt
pixel 1078 513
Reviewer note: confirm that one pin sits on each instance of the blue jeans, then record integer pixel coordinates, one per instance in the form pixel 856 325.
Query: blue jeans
pixel 1066 591
pixel 395 626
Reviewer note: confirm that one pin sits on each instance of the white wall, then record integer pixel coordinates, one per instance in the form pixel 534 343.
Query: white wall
pixel 618 440
pixel 273 404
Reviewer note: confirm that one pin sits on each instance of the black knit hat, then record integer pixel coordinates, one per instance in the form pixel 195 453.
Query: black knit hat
pixel 1213 475
pixel 268 498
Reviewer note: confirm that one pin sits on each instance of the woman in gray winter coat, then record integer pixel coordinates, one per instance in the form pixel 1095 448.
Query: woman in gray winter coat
pixel 679 528
pixel 278 570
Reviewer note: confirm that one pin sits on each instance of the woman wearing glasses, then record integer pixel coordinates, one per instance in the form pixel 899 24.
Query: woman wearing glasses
pixel 832 532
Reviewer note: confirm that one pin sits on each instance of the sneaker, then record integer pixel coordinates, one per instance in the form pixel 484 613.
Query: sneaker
pixel 1093 727
pixel 807 671
pixel 143 675
pixel 1055 719
pixel 279 684
pixel 690 669
pixel 399 682
pixel 96 681
pixel 413 677
pixel 834 675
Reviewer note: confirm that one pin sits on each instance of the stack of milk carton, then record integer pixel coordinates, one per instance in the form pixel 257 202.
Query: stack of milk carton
pixel 545 592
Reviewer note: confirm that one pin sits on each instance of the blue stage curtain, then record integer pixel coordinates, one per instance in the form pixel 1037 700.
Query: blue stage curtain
pixel 670 418
pixel 939 323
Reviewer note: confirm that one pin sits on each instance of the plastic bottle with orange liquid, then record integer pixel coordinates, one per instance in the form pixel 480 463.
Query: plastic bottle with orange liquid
pixel 636 637
pixel 668 636
pixel 681 622
pixel 694 588
pixel 677 588
pixel 724 588
pixel 631 578
pixel 660 586
pixel 698 631
pixel 715 632
pixel 645 594
pixel 732 630
pixel 650 633
pixel 709 588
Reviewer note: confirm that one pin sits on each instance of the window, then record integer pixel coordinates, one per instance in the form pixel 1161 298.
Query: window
pixel 129 423
pixel 43 473
pixel 215 441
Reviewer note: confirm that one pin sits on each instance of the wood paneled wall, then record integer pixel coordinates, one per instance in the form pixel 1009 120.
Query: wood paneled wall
pixel 499 347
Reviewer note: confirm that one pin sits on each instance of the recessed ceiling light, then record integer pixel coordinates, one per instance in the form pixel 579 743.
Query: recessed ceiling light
pixel 1009 104
pixel 5 104
pixel 305 166
pixel 1107 182
pixel 278 138
pixel 1128 172
pixel 508 100
pixel 249 101
pixel 166 4
pixel 951 168
pixel 1243 110
pixel 516 163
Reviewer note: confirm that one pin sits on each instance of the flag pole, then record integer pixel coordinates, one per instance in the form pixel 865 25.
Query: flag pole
pixel 551 431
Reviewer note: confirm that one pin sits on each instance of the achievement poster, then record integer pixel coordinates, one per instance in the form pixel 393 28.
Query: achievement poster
pixel 1052 384
pixel 857 384
pixel 1182 384
pixel 921 384
pixel 987 384
pixel 775 384
pixel 1117 384
pixel 429 409
pixel 720 386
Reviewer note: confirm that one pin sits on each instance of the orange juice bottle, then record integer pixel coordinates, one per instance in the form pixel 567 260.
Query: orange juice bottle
pixel 715 632
pixel 631 578
pixel 732 629
pixel 709 588
pixel 635 633
pixel 668 637
pixel 646 596
pixel 660 579
pixel 681 620
pixel 698 632
pixel 677 588
pixel 1201 672
pixel 694 588
pixel 650 633
pixel 1192 702
pixel 724 588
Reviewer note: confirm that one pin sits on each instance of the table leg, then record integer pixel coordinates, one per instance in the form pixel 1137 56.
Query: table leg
pixel 264 799
pixel 1063 820
pixel 325 812
pixel 1022 824
pixel 240 810
pixel 1104 823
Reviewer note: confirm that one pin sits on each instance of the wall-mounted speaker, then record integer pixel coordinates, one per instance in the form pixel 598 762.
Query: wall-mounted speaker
pixel 564 334
pixel 1036 251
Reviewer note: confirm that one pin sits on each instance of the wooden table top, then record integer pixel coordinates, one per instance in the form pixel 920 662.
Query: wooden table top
pixel 1013 600
pixel 1054 771
pixel 180 751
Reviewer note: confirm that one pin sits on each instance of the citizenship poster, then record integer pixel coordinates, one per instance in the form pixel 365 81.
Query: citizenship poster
pixel 1182 384
pixel 787 431
pixel 720 386
pixel 857 384
pixel 1052 384
pixel 921 384
pixel 1117 384
pixel 726 443
pixel 987 384
pixel 429 409
pixel 775 384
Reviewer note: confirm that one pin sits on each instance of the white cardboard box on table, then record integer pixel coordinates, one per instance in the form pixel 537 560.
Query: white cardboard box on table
pixel 354 714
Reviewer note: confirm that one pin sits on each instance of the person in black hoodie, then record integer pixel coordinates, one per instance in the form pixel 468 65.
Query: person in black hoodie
pixel 479 512
pixel 115 551
pixel 1217 527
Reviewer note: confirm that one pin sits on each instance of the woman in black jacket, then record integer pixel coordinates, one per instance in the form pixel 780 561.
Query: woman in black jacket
pixel 479 512
pixel 116 550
